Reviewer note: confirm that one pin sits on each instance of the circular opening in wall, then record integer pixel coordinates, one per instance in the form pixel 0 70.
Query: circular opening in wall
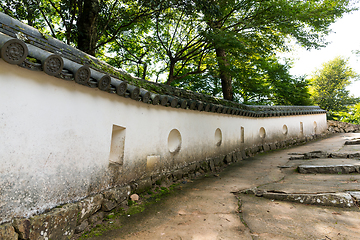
pixel 262 132
pixel 218 137
pixel 285 129
pixel 174 141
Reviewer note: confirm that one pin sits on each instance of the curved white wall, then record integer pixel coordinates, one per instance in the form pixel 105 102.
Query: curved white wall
pixel 56 137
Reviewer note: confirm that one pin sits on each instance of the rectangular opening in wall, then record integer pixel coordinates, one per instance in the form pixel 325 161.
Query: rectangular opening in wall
pixel 301 128
pixel 242 135
pixel 117 145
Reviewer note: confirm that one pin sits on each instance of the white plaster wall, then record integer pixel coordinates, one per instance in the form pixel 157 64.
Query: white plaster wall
pixel 55 138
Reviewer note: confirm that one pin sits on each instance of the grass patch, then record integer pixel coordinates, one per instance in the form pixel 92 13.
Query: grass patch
pixel 98 230
pixel 135 208
pixel 110 223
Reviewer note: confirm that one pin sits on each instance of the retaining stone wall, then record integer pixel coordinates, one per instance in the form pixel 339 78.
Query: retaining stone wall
pixel 341 127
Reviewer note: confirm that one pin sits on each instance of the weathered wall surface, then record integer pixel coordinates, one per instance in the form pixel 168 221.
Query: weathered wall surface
pixel 56 139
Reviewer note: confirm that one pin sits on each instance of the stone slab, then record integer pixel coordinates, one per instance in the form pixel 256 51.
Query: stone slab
pixel 57 224
pixel 89 206
pixel 330 169
pixel 313 183
pixel 328 165
pixel 322 161
pixel 324 199
pixel 22 226
pixel 119 194
pixel 7 232
pixel 353 142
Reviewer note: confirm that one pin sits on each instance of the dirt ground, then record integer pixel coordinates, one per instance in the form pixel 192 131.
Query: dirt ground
pixel 212 207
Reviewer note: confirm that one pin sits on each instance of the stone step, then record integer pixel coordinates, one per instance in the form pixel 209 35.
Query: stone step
pixel 342 199
pixel 355 141
pixel 330 169
pixel 319 154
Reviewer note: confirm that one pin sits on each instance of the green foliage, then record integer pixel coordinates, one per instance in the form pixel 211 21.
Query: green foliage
pixel 249 33
pixel 352 115
pixel 178 42
pixel 267 81
pixel 284 88
pixel 245 29
pixel 328 86
pixel 257 80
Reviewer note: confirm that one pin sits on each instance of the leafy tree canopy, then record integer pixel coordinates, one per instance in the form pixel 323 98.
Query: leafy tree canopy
pixel 223 47
pixel 328 85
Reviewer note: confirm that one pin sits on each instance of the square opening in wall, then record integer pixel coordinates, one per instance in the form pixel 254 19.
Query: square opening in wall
pixel 117 145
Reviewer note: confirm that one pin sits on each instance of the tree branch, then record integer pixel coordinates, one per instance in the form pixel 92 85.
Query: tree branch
pixel 63 19
pixel 47 22
pixel 116 32
pixel 6 10
pixel 159 38
pixel 109 19
pixel 177 25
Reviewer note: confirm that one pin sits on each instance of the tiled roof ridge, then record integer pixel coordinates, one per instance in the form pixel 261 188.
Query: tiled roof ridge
pixel 27 47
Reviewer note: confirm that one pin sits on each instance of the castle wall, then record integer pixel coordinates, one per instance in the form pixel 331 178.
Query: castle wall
pixel 61 141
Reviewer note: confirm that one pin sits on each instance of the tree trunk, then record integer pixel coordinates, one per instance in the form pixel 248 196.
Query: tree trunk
pixel 144 71
pixel 87 26
pixel 226 80
pixel 171 72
